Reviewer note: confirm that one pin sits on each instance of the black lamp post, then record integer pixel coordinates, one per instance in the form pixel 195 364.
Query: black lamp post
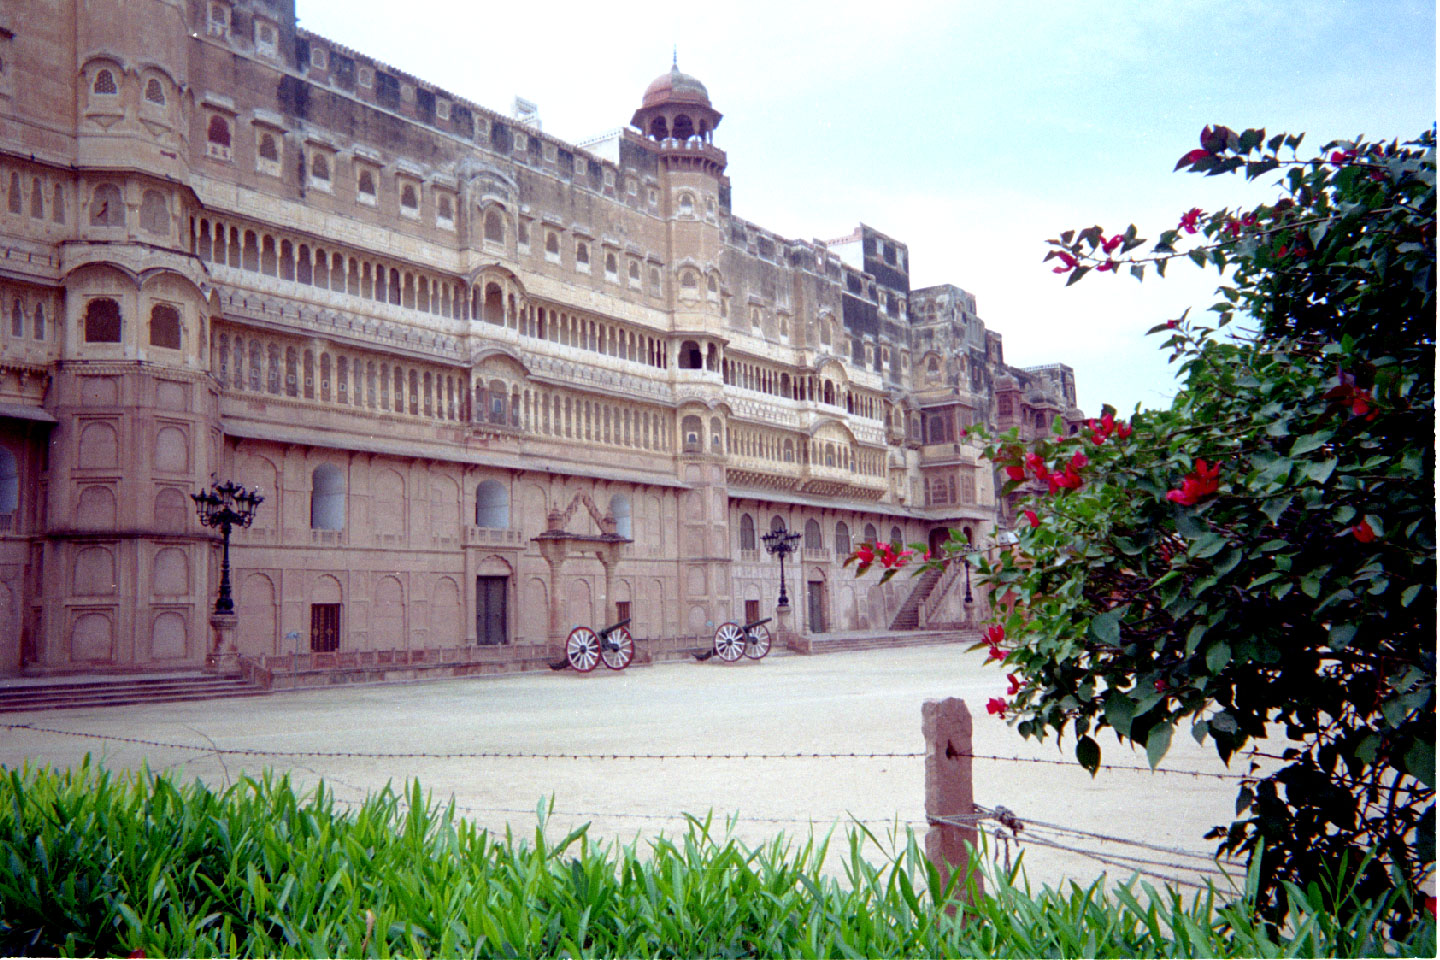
pixel 226 505
pixel 969 598
pixel 780 542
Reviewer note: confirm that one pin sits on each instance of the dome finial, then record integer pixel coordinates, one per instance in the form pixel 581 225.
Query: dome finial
pixel 675 57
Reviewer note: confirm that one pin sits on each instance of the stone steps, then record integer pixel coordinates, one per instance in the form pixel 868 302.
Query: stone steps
pixel 61 694
pixel 926 638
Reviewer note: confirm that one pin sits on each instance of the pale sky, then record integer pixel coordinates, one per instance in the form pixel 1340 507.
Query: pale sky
pixel 970 131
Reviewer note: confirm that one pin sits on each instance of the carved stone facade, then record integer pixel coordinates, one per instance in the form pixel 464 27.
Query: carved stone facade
pixel 232 247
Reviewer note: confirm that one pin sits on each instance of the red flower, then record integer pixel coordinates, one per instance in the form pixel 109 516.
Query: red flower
pixel 1363 531
pixel 1109 245
pixel 1065 258
pixel 994 634
pixel 1201 482
pixel 1160 686
pixel 1194 155
pixel 1069 480
pixel 864 553
pixel 1014 684
pixel 1191 220
pixel 1172 324
pixel 1033 520
pixel 1106 267
pixel 1340 157
pixel 1079 460
pixel 995 706
pixel 995 653
pixel 1033 461
pixel 1016 473
pixel 1124 429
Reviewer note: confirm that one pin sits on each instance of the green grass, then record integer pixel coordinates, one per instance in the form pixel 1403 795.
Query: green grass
pixel 101 864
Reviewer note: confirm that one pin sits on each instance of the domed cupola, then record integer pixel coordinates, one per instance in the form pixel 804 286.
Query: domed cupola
pixel 676 106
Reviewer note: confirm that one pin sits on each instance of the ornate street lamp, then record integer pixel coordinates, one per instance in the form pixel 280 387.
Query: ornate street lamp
pixel 780 543
pixel 226 505
pixel 969 598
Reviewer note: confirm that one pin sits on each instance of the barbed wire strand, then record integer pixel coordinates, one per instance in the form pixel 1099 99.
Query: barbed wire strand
pixel 524 755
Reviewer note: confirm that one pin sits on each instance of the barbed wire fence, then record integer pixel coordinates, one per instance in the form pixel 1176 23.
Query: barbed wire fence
pixel 1173 865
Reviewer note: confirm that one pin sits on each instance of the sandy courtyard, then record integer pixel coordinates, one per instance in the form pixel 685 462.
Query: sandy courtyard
pixel 863 703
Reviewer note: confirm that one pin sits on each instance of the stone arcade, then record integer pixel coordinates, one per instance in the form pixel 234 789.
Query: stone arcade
pixel 421 328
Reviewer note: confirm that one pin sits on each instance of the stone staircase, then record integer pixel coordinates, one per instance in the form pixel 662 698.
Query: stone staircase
pixel 908 616
pixel 60 693
pixel 887 640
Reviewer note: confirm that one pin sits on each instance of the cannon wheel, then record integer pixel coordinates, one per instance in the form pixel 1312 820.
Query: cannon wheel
pixel 729 642
pixel 582 649
pixel 618 650
pixel 759 644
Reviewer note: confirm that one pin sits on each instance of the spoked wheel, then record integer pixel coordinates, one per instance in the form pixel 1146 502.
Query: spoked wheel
pixel 582 649
pixel 618 649
pixel 759 644
pixel 729 642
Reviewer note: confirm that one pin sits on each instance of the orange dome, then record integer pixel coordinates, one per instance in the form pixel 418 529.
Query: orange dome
pixel 675 87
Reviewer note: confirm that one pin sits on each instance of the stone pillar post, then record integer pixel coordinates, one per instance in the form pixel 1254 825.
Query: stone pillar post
pixel 223 658
pixel 949 790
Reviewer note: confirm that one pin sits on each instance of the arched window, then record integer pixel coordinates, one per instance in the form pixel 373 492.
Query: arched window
pixel 39 321
pixel 870 533
pixel 218 131
pixel 683 128
pixel 789 451
pixel 842 539
pixel 154 92
pixel 690 357
pixel 777 523
pixel 165 326
pixel 634 273
pixel 320 168
pixel 269 148
pixel 410 200
pixel 716 440
pixel 17 319
pixel 154 213
pixel 552 244
pixel 582 254
pixel 896 539
pixel 620 510
pixel 102 321
pixel 9 482
pixel 690 429
pixel 366 182
pixel 494 226
pixel 327 498
pixel 687 205
pixel 812 536
pixel 105 83
pixel 492 505
pixel 747 532
pixel 106 208
pixel 494 304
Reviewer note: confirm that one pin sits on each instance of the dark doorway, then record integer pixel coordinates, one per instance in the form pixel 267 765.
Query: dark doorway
pixel 752 611
pixel 815 593
pixel 938 538
pixel 490 610
pixel 324 627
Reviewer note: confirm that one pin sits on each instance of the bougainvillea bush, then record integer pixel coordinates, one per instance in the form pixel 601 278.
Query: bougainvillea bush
pixel 1258 560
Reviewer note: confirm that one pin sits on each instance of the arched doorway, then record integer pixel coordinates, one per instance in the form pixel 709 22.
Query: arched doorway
pixel 939 536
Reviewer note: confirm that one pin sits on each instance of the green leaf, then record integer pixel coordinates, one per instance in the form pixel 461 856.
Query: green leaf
pixel 1158 743
pixel 1341 634
pixel 1420 762
pixel 1311 441
pixel 1207 546
pixel 1119 712
pixel 1217 657
pixel 1275 507
pixel 1320 472
pixel 1408 597
pixel 1106 627
pixel 1087 751
pixel 1192 640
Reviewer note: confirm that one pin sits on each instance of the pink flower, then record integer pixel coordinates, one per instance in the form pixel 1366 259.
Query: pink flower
pixel 1124 430
pixel 1032 519
pixel 1190 221
pixel 995 706
pixel 1065 258
pixel 1079 460
pixel 1016 473
pixel 1109 245
pixel 1014 684
pixel 1203 481
pixel 1363 531
pixel 1106 267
